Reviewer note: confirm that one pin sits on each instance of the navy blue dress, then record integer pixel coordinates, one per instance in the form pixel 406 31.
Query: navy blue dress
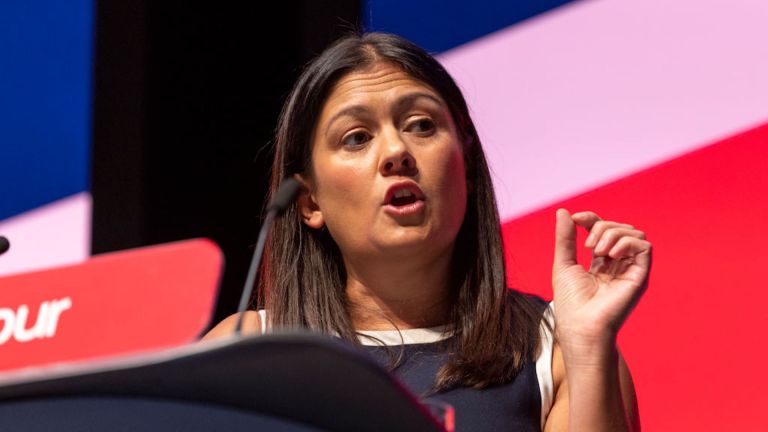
pixel 514 406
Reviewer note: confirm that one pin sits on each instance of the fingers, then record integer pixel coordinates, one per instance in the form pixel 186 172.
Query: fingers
pixel 565 239
pixel 604 235
pixel 586 219
pixel 635 256
pixel 604 243
pixel 629 247
pixel 607 231
pixel 606 238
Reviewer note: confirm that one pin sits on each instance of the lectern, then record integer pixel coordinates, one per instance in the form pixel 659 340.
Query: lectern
pixel 278 382
pixel 281 382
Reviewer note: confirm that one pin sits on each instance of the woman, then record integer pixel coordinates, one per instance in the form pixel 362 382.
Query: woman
pixel 395 239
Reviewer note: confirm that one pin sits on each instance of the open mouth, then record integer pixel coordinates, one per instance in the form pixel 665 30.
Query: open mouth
pixel 402 197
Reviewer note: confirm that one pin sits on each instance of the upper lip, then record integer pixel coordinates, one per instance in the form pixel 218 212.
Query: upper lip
pixel 403 185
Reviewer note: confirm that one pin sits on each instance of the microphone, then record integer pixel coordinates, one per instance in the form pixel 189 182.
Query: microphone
pixel 283 198
pixel 4 245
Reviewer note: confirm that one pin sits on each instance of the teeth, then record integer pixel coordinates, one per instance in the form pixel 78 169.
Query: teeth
pixel 403 193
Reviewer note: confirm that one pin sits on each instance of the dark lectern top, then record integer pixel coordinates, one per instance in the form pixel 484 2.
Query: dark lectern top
pixel 280 382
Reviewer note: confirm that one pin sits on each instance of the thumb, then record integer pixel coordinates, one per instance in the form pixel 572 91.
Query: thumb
pixel 565 239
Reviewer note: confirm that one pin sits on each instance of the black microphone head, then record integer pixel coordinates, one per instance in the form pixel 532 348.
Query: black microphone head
pixel 285 195
pixel 4 245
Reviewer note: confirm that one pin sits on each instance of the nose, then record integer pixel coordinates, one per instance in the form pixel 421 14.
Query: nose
pixel 396 159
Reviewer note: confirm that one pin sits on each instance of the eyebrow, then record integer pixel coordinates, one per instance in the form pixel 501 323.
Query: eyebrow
pixel 400 105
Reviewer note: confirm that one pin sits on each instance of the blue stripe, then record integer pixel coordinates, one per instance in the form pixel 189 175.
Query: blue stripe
pixel 45 83
pixel 439 25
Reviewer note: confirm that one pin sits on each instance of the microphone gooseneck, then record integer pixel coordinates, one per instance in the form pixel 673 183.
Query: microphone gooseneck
pixel 283 198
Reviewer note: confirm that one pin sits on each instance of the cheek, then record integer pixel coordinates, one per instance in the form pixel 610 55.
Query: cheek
pixel 459 186
pixel 454 173
pixel 453 187
pixel 342 195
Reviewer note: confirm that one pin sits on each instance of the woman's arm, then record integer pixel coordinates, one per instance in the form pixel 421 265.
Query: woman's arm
pixel 585 391
pixel 590 308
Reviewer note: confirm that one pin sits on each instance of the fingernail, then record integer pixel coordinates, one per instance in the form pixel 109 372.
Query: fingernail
pixel 600 245
pixel 590 240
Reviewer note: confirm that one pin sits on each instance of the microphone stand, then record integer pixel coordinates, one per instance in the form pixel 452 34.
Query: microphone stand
pixel 283 198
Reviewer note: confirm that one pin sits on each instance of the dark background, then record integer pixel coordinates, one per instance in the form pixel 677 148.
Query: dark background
pixel 186 98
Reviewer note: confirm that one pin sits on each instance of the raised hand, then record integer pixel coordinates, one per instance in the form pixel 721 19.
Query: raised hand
pixel 591 305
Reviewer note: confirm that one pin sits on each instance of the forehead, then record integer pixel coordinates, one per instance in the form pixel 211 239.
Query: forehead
pixel 382 81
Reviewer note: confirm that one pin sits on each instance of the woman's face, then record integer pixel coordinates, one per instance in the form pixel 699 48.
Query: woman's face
pixel 387 167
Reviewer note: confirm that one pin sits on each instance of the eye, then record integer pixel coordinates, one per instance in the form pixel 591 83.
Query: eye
pixel 423 125
pixel 355 139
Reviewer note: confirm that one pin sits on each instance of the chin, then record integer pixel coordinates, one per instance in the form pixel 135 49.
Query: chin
pixel 411 240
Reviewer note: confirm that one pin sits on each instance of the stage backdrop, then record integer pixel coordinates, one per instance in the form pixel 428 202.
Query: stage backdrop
pixel 652 112
pixel 649 112
pixel 45 103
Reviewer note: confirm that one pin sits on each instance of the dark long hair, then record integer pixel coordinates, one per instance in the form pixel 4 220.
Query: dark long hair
pixel 303 277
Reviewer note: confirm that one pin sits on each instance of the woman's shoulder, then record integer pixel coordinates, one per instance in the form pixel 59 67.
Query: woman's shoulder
pixel 251 325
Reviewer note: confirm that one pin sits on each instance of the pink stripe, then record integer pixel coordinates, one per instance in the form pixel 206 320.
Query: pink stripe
pixel 599 89
pixel 55 234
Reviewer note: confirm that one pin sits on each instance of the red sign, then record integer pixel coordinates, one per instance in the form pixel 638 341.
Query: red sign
pixel 118 303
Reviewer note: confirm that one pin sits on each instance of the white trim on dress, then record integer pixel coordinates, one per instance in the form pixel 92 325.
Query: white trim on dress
pixel 544 364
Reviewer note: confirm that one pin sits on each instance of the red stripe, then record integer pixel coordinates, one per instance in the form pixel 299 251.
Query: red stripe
pixel 695 342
